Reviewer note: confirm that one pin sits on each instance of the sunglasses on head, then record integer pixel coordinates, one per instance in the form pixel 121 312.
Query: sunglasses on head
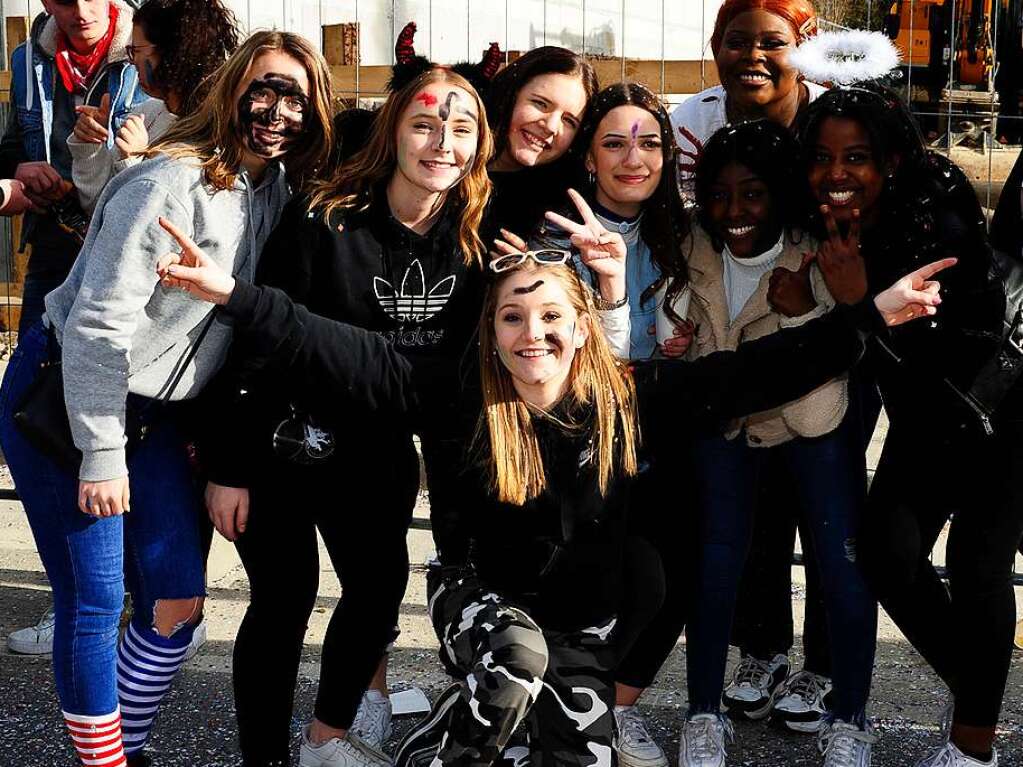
pixel 546 257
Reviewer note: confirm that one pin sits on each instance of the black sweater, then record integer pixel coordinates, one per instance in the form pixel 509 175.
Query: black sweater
pixel 559 554
pixel 413 291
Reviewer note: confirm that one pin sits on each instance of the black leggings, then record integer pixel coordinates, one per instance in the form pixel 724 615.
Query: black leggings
pixel 362 509
pixel 964 631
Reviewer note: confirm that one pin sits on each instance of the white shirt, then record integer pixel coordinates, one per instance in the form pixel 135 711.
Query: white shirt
pixel 702 116
pixel 742 275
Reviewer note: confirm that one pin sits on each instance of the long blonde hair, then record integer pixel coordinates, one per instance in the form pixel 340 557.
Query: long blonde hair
pixel 211 133
pixel 596 379
pixel 353 184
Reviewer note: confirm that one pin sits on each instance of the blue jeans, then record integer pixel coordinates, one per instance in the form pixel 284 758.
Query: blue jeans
pixel 830 486
pixel 155 548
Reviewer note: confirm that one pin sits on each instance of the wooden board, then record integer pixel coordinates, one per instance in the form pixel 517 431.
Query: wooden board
pixel 662 77
pixel 17 33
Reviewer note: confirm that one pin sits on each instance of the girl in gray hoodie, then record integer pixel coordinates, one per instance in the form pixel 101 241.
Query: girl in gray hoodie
pixel 132 352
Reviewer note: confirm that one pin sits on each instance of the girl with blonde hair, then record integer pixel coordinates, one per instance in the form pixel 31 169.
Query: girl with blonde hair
pixel 133 354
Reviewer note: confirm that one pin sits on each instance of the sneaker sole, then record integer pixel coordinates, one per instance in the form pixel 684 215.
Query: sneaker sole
pixel 402 755
pixel 29 648
pixel 627 761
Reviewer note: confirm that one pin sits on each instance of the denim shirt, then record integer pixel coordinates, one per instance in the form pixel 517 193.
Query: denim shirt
pixel 33 82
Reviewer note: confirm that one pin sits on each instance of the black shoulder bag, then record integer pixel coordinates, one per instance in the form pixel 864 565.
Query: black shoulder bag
pixel 42 417
pixel 1000 373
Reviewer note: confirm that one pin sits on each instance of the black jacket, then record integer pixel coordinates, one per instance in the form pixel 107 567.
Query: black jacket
pixel 559 554
pixel 923 367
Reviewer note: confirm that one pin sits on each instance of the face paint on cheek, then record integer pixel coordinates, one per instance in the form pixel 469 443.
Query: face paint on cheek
pixel 259 110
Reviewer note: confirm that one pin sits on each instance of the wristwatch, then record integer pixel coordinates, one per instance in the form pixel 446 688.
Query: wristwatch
pixel 604 305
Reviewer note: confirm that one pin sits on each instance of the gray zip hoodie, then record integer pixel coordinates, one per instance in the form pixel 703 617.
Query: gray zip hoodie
pixel 119 329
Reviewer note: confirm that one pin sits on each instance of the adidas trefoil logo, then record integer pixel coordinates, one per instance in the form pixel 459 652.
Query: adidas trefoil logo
pixel 412 303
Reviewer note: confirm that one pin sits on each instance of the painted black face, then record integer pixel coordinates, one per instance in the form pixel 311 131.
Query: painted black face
pixel 273 114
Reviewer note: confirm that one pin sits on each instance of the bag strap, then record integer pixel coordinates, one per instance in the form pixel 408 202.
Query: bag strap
pixel 187 359
pixel 1000 373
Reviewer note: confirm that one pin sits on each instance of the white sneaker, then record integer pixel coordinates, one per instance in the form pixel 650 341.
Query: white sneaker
pixel 702 741
pixel 755 685
pixel 372 721
pixel 33 640
pixel 349 751
pixel 801 704
pixel 198 640
pixel 636 748
pixel 846 745
pixel 950 756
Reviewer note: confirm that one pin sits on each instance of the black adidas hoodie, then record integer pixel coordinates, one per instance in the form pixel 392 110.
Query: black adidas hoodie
pixel 367 269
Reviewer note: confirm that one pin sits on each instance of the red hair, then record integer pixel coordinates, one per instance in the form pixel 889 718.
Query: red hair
pixel 800 15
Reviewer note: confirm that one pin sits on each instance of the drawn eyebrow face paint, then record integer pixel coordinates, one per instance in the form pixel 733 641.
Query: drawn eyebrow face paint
pixel 527 289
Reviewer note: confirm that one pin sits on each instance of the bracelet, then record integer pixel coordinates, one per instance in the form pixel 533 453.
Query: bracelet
pixel 604 305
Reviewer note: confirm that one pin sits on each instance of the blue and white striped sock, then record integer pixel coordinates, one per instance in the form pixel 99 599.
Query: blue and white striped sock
pixel 146 665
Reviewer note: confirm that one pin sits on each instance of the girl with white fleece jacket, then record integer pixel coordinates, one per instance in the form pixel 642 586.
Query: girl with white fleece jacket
pixel 131 352
pixel 752 273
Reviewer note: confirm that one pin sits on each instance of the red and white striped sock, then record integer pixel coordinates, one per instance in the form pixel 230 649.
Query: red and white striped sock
pixel 97 739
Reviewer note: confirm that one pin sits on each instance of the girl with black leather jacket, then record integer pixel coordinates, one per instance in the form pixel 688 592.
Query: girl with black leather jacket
pixel 867 168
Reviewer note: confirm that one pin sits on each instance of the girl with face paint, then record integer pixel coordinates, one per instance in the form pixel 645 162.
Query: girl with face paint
pixel 390 243
pixel 133 352
pixel 176 45
pixel 869 173
pixel 554 414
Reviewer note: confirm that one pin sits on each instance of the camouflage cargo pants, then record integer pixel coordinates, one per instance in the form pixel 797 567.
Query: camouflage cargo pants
pixel 561 682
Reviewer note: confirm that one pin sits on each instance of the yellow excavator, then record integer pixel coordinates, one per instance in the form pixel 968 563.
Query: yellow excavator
pixel 933 34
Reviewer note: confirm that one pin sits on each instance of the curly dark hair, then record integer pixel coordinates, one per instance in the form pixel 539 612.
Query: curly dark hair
pixel 665 226
pixel 768 150
pixel 193 38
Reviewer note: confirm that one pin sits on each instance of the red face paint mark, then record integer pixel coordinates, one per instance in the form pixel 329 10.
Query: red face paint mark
pixel 428 99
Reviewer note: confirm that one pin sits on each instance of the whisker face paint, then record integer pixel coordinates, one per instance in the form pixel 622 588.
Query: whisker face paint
pixel 273 114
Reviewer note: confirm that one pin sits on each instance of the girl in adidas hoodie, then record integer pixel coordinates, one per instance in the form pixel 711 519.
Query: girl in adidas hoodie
pixel 390 245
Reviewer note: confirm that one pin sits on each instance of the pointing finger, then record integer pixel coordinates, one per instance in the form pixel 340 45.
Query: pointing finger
pixel 929 270
pixel 182 239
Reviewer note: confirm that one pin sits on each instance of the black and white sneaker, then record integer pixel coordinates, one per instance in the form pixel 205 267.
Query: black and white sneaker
pixel 755 685
pixel 419 746
pixel 802 705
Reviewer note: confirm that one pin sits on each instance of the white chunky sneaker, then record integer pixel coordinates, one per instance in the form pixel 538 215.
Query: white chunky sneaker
pixel 198 640
pixel 950 756
pixel 754 686
pixel 801 704
pixel 846 745
pixel 33 640
pixel 636 748
pixel 702 741
pixel 349 751
pixel 373 719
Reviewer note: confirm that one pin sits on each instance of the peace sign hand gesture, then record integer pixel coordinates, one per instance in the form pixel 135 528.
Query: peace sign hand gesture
pixel 192 270
pixel 915 295
pixel 840 260
pixel 602 251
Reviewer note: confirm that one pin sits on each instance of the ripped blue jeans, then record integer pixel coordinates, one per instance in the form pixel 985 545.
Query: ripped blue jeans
pixel 829 479
pixel 155 548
